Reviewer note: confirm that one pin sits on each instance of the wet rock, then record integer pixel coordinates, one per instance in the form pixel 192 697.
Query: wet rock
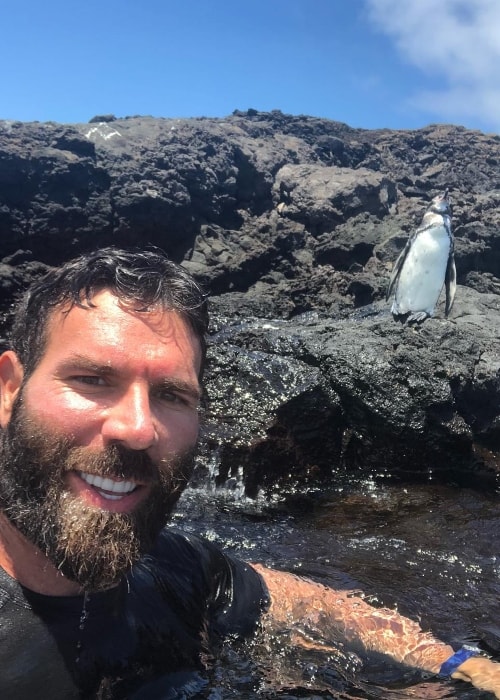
pixel 381 399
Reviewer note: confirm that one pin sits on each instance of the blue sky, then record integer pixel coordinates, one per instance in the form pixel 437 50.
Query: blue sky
pixel 400 64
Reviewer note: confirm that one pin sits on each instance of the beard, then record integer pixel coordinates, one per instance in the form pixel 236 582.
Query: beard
pixel 90 546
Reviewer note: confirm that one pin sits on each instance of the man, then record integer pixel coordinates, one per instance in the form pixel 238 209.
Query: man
pixel 99 415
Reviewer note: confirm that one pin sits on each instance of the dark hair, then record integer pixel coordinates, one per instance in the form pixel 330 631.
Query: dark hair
pixel 144 278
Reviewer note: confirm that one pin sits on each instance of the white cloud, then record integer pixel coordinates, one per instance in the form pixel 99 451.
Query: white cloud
pixel 457 41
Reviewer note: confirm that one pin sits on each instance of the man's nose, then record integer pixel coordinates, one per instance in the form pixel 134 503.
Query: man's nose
pixel 130 420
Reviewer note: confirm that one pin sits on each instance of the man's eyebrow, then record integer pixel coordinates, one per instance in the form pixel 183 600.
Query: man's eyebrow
pixel 81 362
pixel 78 361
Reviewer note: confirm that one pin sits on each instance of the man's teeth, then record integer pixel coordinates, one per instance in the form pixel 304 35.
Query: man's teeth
pixel 109 488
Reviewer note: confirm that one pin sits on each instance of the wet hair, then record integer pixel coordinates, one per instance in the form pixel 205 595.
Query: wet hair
pixel 145 279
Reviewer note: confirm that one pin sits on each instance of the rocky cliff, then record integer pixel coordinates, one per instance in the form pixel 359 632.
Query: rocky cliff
pixel 293 224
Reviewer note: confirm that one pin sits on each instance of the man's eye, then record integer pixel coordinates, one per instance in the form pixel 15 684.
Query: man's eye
pixel 176 398
pixel 170 397
pixel 89 379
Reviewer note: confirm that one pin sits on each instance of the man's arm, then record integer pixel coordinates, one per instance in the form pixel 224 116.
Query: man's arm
pixel 376 629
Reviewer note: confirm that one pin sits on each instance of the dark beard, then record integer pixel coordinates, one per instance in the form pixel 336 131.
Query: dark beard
pixel 90 546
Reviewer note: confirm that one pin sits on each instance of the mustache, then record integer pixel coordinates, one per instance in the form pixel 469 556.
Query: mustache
pixel 116 461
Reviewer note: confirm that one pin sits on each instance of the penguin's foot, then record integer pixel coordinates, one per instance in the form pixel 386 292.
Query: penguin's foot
pixel 417 317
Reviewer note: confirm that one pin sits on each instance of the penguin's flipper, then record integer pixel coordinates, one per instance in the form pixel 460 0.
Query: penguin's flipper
pixel 398 266
pixel 450 283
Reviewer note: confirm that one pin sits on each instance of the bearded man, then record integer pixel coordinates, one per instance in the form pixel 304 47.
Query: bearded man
pixel 99 413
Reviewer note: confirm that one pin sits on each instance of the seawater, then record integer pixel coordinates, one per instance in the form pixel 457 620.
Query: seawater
pixel 429 551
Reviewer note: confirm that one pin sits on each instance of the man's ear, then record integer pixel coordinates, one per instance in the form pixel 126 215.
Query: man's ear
pixel 11 377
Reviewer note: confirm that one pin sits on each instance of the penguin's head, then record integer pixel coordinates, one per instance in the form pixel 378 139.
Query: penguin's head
pixel 441 204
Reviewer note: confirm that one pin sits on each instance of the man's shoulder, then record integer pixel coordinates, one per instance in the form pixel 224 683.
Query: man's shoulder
pixel 178 548
pixel 184 560
pixel 195 574
pixel 173 538
pixel 10 591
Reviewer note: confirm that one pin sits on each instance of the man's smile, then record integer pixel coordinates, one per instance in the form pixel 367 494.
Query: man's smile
pixel 111 489
pixel 106 493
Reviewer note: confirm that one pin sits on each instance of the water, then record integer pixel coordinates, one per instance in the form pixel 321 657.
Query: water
pixel 430 551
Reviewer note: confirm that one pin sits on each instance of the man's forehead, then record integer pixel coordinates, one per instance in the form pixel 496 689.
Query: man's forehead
pixel 108 311
pixel 109 322
pixel 107 304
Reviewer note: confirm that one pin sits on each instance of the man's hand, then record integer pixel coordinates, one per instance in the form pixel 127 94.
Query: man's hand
pixel 482 673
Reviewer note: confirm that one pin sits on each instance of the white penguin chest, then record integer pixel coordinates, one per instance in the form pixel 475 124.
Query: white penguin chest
pixel 429 252
pixel 424 270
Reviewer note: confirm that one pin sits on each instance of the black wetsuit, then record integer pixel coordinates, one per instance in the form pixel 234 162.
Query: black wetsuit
pixel 159 623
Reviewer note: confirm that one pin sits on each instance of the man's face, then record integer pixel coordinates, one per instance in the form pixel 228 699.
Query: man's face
pixel 98 445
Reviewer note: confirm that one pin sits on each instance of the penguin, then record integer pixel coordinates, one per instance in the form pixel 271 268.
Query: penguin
pixel 426 264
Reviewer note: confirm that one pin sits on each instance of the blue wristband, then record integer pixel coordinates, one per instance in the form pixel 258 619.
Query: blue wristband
pixel 457 659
